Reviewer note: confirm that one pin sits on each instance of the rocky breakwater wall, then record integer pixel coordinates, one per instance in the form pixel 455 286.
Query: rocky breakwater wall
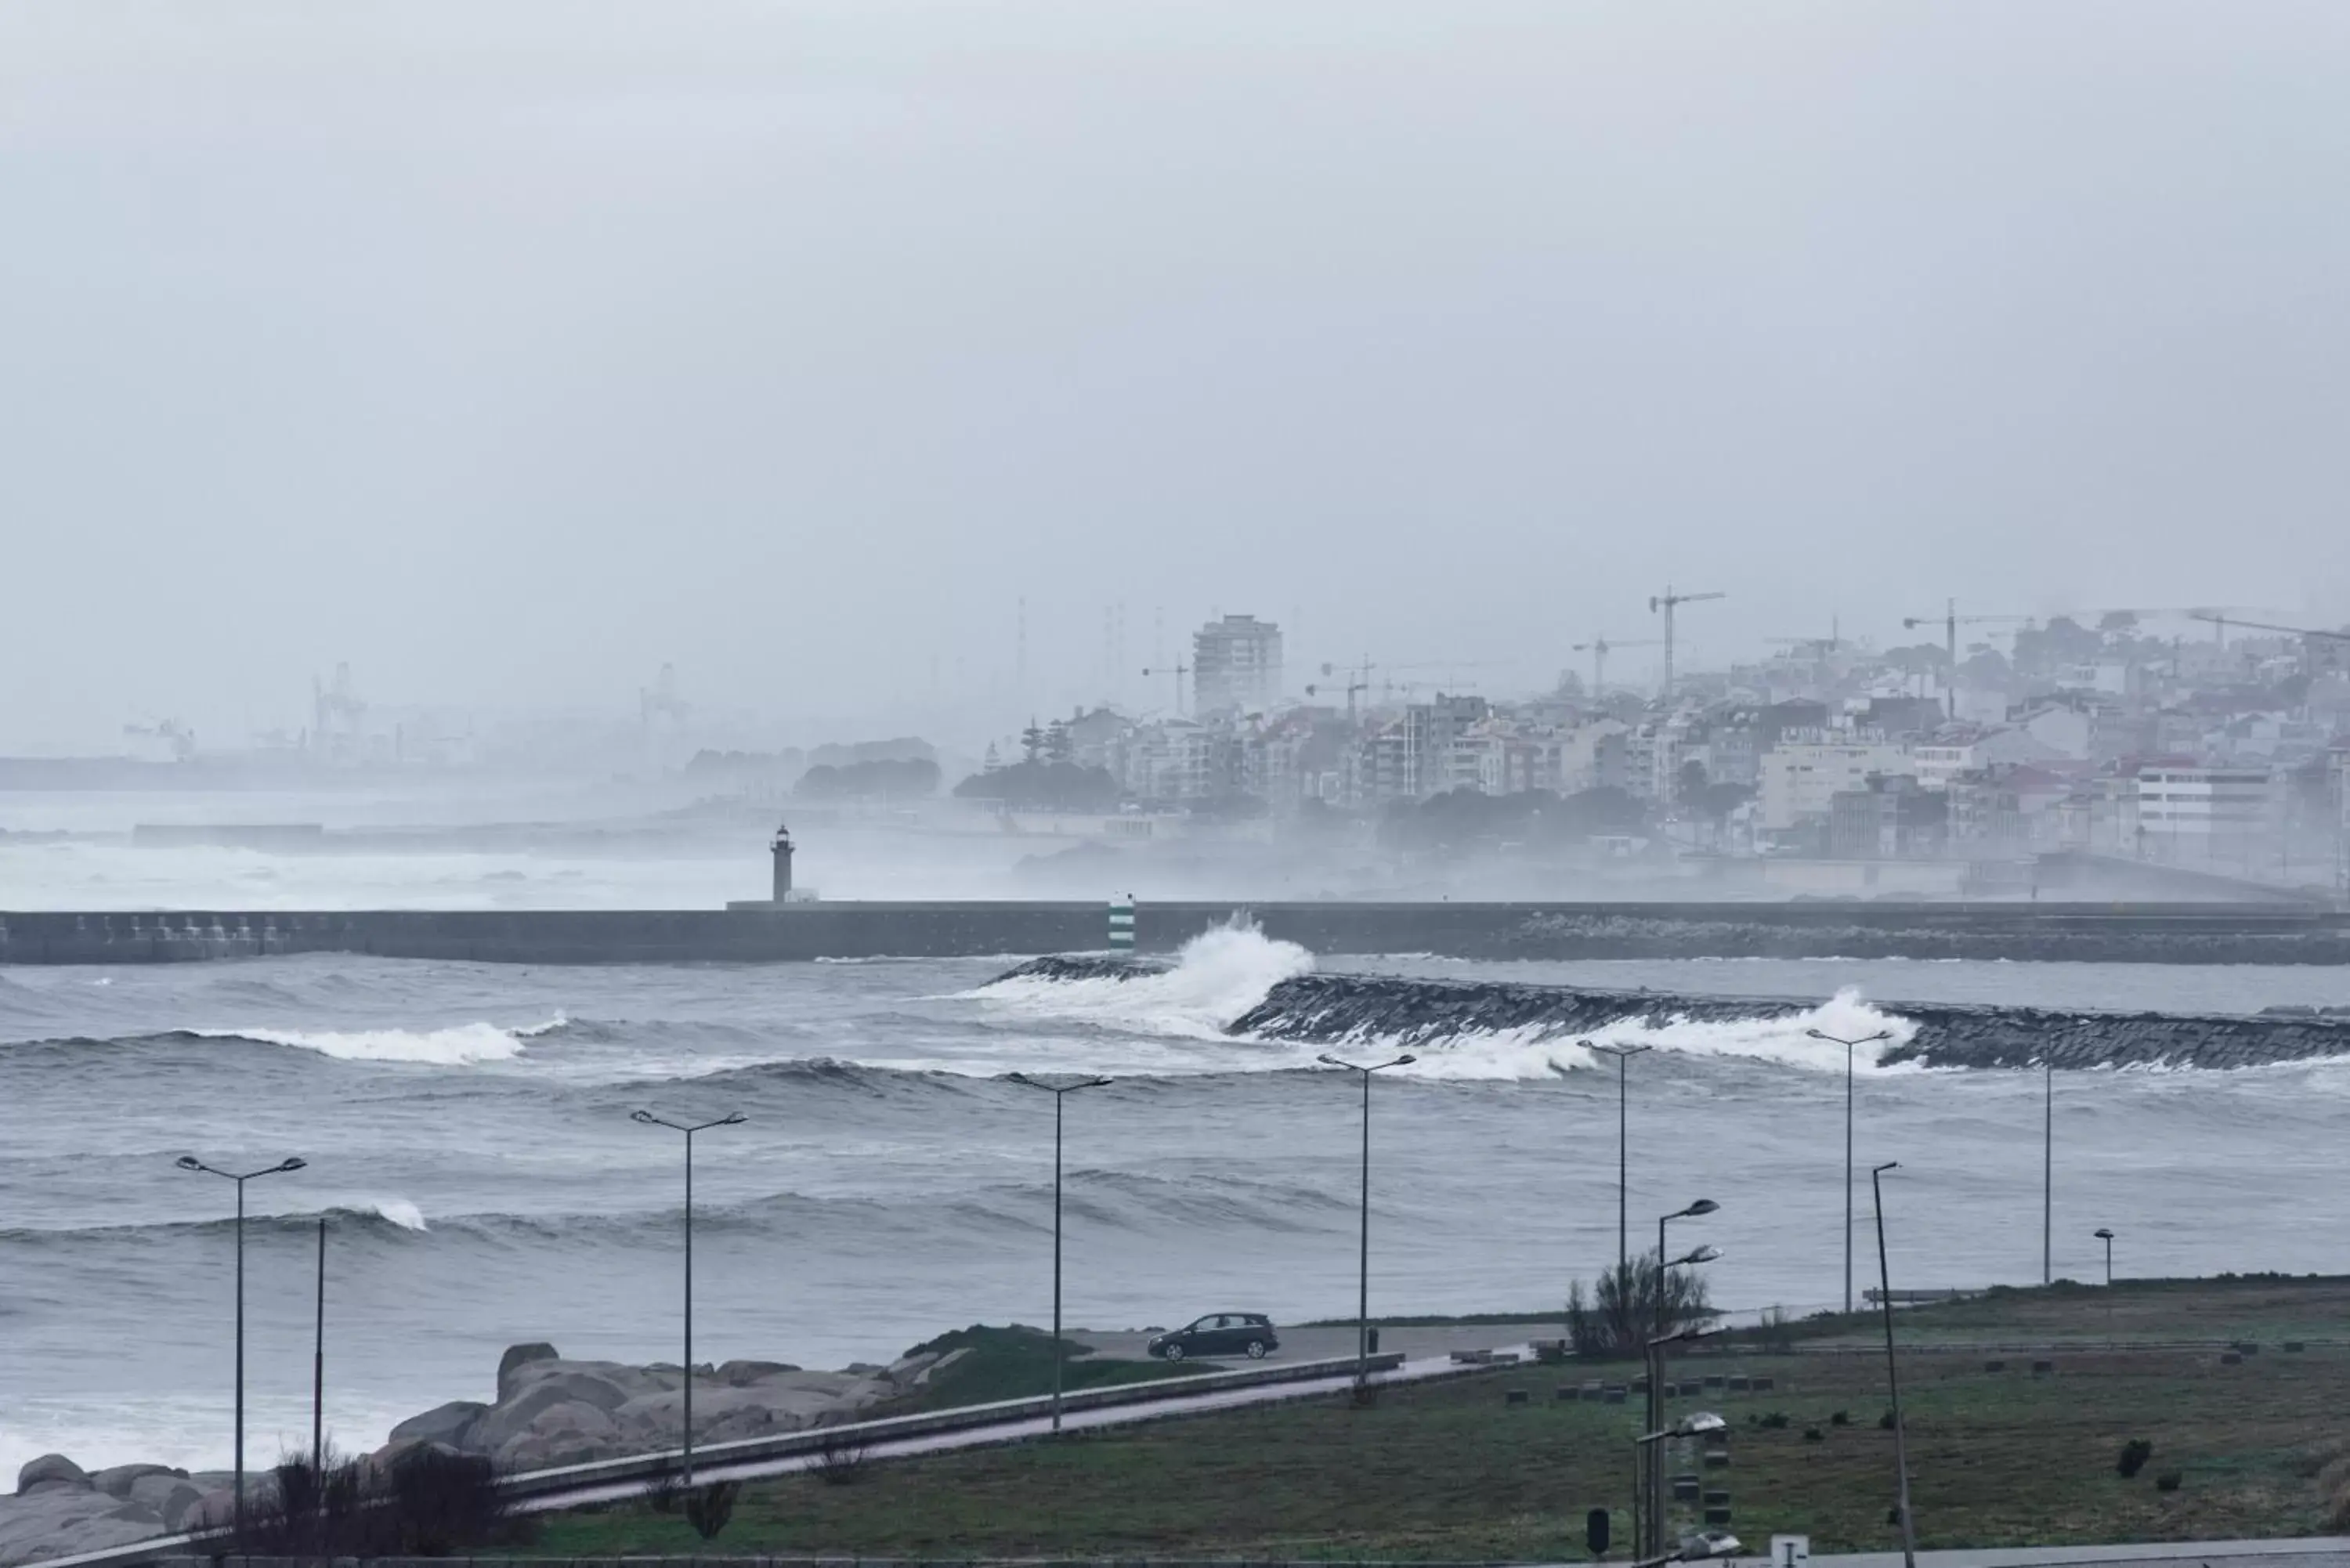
pixel 1425 1015
pixel 1983 933
pixel 548 1411
pixel 59 1508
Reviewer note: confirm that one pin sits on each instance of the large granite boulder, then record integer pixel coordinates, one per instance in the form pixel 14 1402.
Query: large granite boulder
pixel 51 1470
pixel 518 1357
pixel 441 1424
pixel 58 1518
pixel 118 1480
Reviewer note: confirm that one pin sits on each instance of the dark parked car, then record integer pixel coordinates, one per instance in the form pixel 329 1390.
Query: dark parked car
pixel 1248 1334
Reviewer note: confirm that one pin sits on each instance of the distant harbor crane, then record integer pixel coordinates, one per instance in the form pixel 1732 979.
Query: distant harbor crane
pixel 172 732
pixel 1667 602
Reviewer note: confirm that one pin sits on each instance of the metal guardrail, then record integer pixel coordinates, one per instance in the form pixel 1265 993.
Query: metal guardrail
pixel 190 1546
pixel 926 1424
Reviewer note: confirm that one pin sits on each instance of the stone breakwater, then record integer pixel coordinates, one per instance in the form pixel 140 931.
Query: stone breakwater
pixel 1422 1014
pixel 1631 936
pixel 2151 934
pixel 548 1411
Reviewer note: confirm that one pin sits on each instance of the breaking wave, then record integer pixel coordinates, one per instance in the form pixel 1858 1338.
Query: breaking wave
pixel 1467 1029
pixel 459 1045
pixel 1216 976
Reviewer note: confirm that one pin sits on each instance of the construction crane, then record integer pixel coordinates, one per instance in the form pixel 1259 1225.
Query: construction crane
pixel 1667 602
pixel 2264 626
pixel 1358 681
pixel 1178 670
pixel 1599 647
pixel 1951 620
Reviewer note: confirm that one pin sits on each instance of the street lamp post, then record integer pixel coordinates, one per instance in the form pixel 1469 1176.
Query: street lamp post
pixel 1653 1356
pixel 1363 1288
pixel 1648 1535
pixel 1848 1047
pixel 1623 1055
pixel 190 1162
pixel 2105 1233
pixel 2048 1176
pixel 733 1118
pixel 1892 1371
pixel 1665 1267
pixel 1059 1091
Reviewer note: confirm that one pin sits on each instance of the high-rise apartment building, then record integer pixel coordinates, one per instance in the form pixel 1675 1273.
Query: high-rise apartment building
pixel 1235 663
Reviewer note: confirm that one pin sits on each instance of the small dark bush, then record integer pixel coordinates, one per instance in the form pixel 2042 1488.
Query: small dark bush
pixel 430 1502
pixel 2134 1455
pixel 1841 1419
pixel 1884 1422
pixel 1777 1421
pixel 445 1502
pixel 663 1490
pixel 842 1460
pixel 1814 1435
pixel 2168 1480
pixel 707 1508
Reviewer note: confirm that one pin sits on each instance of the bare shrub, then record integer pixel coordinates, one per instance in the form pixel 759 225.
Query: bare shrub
pixel 707 1508
pixel 842 1461
pixel 430 1502
pixel 661 1491
pixel 1619 1317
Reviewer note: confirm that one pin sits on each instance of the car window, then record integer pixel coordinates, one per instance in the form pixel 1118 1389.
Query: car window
pixel 1224 1322
pixel 1199 1324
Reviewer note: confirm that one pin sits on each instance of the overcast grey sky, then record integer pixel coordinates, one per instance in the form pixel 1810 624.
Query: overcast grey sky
pixel 508 349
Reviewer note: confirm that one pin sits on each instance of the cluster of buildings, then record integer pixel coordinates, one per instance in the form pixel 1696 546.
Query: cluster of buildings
pixel 2234 760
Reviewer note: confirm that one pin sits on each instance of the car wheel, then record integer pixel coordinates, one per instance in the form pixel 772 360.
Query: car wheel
pixel 1173 1352
pixel 1256 1350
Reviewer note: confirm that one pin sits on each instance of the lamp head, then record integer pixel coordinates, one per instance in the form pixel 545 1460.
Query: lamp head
pixel 291 1162
pixel 188 1162
pixel 1327 1059
pixel 1888 1165
pixel 645 1117
pixel 1702 1206
pixel 1094 1084
pixel 2105 1233
pixel 1817 1035
pixel 1702 1255
pixel 1406 1060
pixel 733 1118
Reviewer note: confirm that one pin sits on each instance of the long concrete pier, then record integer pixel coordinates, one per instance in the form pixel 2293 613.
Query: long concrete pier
pixel 2205 933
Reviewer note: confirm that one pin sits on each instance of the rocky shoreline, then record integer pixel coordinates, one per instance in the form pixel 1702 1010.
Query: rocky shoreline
pixel 547 1411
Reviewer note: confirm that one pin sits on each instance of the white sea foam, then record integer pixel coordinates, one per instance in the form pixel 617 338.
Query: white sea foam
pixel 459 1045
pixel 1217 976
pixel 1221 973
pixel 401 1212
pixel 1537 1052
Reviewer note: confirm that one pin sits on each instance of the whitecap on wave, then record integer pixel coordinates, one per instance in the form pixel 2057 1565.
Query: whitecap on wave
pixel 458 1045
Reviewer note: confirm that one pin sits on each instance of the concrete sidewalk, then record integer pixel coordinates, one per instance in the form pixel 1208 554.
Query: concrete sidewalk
pixel 2309 1552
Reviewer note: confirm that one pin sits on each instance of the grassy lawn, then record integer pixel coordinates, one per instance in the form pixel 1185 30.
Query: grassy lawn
pixel 1451 1470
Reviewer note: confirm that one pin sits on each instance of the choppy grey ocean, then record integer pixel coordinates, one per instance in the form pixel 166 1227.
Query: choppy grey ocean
pixel 468 1138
